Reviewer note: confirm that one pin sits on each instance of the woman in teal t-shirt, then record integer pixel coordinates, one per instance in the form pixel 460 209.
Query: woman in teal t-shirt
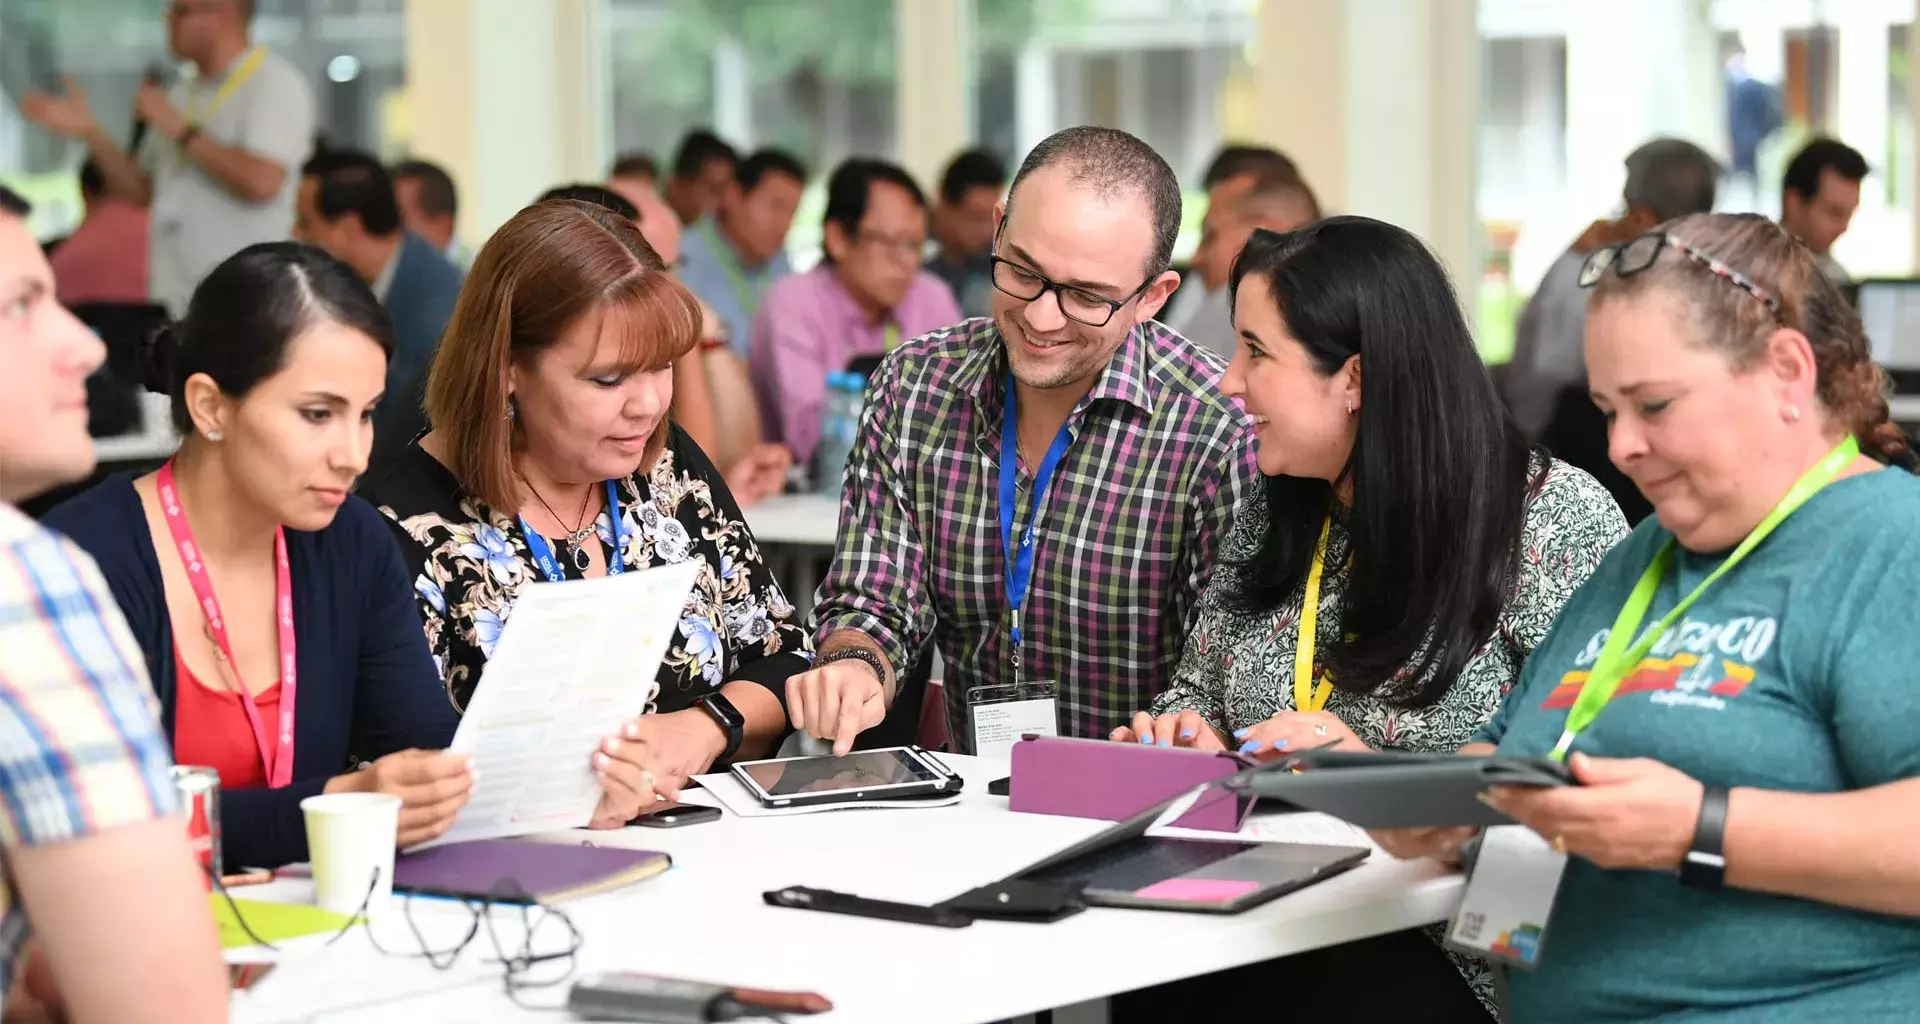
pixel 1782 700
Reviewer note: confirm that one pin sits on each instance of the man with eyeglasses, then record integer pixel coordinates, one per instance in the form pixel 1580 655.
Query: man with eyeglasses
pixel 217 157
pixel 1039 495
pixel 865 297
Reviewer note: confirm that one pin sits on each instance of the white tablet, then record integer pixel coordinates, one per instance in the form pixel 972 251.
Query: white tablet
pixel 887 774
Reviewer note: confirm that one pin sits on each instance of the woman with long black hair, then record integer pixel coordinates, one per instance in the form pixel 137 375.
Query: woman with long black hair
pixel 1407 547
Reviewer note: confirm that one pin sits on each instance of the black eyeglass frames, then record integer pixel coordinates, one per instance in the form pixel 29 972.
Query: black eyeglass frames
pixel 1633 257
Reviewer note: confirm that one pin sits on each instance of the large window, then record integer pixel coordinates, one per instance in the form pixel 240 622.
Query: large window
pixel 815 77
pixel 353 52
pixel 1561 106
pixel 1174 72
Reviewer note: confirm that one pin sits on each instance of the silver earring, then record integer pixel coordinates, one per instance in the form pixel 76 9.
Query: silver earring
pixel 213 435
pixel 1349 406
pixel 510 412
pixel 1793 414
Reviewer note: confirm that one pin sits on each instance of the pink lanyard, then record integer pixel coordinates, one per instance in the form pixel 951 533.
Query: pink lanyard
pixel 278 762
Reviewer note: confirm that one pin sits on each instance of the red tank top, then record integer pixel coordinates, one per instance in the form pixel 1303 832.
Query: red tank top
pixel 210 728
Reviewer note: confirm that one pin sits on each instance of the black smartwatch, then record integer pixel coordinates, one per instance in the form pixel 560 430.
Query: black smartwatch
pixel 1705 866
pixel 730 719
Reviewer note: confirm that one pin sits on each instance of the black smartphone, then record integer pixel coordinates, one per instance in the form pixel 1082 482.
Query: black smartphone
pixel 677 816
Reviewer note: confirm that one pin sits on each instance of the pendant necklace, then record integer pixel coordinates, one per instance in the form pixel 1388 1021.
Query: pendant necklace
pixel 577 537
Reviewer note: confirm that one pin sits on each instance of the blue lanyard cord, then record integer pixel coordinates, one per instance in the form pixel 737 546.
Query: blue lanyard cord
pixel 1020 559
pixel 542 552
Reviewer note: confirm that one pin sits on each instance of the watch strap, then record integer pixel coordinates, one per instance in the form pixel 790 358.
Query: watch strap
pixel 724 712
pixel 1705 863
pixel 186 137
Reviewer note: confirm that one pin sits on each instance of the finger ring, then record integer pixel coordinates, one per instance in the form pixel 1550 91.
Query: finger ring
pixel 1559 844
pixel 1320 730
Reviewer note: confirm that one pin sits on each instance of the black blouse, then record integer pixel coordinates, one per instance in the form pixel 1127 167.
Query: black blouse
pixel 469 562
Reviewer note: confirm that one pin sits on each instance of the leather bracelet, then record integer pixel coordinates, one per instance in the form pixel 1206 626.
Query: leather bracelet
pixel 861 655
pixel 1705 864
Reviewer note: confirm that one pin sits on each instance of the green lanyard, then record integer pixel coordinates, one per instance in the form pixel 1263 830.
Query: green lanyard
pixel 1616 657
pixel 729 261
pixel 893 337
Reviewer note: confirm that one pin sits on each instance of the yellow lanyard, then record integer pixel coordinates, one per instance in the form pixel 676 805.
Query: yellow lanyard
pixel 198 115
pixel 893 337
pixel 1307 696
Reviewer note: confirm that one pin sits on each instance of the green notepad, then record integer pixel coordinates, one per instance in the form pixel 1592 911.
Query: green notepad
pixel 270 921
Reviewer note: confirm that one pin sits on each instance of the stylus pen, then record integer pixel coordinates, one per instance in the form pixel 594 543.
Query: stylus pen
pixel 829 902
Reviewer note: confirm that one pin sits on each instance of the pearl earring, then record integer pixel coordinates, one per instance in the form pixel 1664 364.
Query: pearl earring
pixel 1793 414
pixel 213 435
pixel 1349 406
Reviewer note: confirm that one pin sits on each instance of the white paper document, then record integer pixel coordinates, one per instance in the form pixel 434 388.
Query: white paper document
pixel 574 663
pixel 1301 827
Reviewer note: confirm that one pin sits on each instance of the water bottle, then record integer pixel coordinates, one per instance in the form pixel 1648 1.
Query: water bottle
pixel 840 421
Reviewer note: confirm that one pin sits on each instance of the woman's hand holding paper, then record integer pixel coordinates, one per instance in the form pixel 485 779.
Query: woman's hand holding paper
pixel 651 761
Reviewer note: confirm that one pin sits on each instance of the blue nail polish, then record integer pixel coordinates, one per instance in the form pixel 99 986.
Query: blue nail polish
pixel 1279 744
pixel 1146 739
pixel 1165 743
pixel 1250 746
pixel 1241 734
pixel 1186 734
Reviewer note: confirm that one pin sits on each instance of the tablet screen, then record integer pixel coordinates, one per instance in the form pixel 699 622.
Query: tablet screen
pixel 864 770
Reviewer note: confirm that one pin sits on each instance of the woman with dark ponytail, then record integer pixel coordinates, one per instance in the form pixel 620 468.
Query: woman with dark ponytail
pixel 1734 687
pixel 276 620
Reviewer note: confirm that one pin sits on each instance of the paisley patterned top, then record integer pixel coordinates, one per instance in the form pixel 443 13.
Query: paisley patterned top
pixel 1238 668
pixel 469 563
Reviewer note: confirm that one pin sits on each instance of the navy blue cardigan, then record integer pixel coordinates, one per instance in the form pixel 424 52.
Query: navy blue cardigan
pixel 367 683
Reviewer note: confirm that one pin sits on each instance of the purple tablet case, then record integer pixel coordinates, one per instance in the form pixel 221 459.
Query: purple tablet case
pixel 505 868
pixel 1115 781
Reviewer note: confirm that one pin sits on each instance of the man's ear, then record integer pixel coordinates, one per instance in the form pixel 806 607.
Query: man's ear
pixel 1156 295
pixel 835 242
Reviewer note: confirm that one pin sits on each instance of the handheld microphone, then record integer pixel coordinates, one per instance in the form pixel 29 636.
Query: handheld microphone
pixel 157 73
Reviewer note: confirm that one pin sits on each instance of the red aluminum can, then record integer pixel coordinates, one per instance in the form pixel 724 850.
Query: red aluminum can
pixel 199 790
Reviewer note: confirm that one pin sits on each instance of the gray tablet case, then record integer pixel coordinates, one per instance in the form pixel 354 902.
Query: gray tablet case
pixel 1389 790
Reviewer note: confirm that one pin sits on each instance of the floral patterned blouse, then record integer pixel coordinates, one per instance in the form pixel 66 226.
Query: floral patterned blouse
pixel 1238 668
pixel 470 562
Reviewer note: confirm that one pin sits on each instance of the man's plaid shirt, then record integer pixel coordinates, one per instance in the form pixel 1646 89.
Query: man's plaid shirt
pixel 81 750
pixel 1126 534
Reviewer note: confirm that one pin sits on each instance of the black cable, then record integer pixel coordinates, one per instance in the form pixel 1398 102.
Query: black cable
pixel 221 887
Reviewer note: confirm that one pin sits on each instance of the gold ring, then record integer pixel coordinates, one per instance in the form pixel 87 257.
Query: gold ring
pixel 1559 844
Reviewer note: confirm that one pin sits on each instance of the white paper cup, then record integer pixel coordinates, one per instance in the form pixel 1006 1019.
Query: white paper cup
pixel 350 837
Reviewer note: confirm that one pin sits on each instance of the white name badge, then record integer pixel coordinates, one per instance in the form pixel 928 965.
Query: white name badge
pixel 1509 897
pixel 1004 713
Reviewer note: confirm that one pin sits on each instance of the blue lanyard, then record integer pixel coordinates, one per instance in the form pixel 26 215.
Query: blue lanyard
pixel 542 552
pixel 1020 561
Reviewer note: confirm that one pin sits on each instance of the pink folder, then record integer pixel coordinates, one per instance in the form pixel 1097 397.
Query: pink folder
pixel 1113 781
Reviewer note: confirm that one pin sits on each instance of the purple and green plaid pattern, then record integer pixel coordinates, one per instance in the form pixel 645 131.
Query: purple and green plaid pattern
pixel 80 750
pixel 1126 538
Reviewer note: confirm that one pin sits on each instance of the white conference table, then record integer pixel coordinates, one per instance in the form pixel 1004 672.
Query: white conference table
pixel 796 520
pixel 705 918
pixel 794 532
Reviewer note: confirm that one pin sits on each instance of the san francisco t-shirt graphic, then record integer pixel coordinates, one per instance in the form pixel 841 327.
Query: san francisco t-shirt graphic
pixel 1701 664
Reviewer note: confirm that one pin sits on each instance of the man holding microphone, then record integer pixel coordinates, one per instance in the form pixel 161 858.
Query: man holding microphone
pixel 218 164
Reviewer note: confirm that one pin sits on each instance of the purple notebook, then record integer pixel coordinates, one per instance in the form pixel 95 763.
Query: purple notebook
pixel 516 870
